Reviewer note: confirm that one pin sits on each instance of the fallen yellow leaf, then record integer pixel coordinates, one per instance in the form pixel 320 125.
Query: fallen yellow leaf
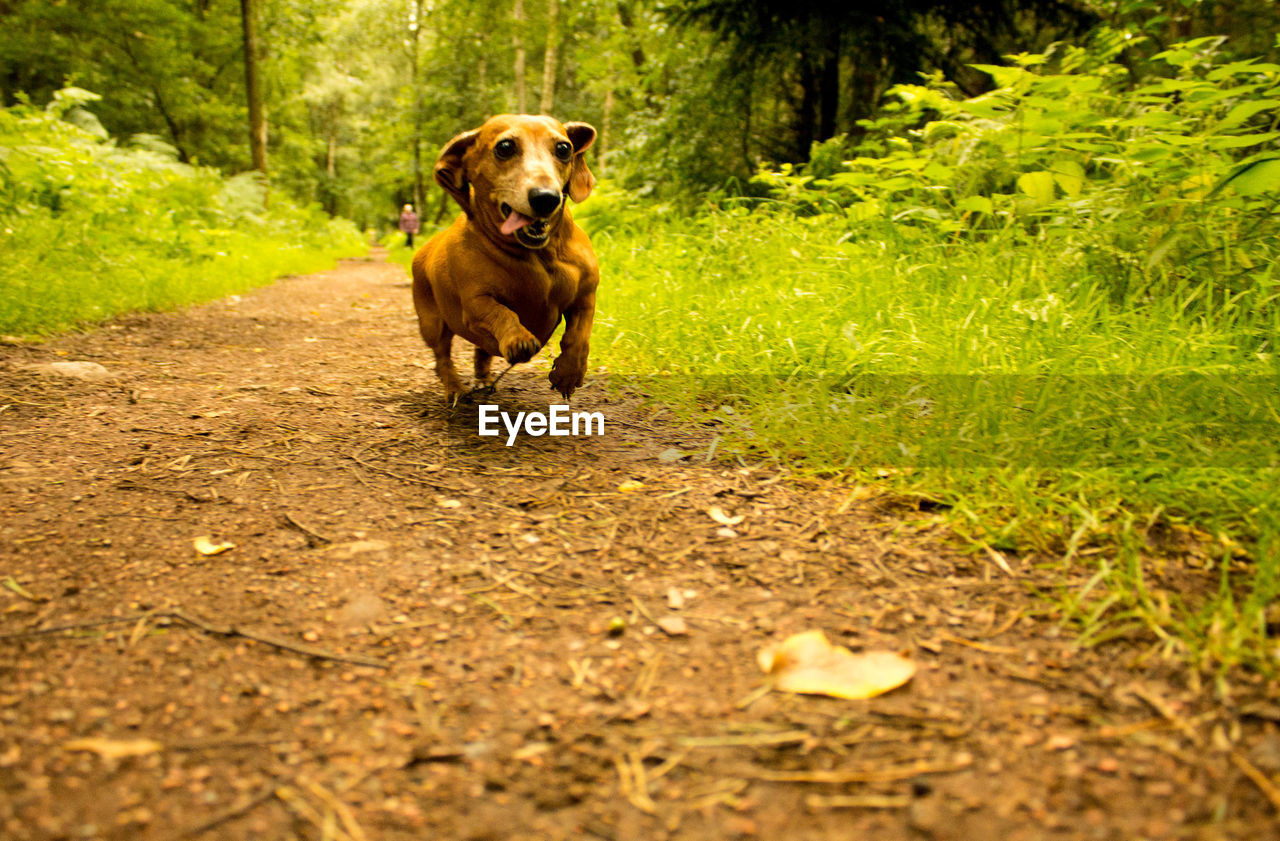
pixel 205 546
pixel 807 663
pixel 115 748
pixel 716 513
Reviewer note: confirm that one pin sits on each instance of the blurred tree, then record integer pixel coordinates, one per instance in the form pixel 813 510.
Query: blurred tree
pixel 253 90
pixel 517 41
pixel 550 62
pixel 829 50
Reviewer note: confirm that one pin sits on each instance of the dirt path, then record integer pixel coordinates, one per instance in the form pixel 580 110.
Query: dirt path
pixel 301 424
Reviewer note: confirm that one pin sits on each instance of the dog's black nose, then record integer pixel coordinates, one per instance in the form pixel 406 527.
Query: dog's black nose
pixel 544 201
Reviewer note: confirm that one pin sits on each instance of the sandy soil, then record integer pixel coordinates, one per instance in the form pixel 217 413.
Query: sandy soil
pixel 424 634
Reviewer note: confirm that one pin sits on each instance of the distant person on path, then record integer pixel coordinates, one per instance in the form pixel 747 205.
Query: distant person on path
pixel 408 224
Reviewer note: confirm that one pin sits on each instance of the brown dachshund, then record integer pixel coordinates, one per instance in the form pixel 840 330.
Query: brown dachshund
pixel 506 271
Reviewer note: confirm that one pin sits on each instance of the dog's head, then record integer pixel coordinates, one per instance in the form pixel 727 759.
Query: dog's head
pixel 512 174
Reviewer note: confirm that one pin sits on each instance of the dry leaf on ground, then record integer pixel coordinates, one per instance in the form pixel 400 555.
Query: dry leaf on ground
pixel 673 626
pixel 205 546
pixel 807 663
pixel 716 513
pixel 115 748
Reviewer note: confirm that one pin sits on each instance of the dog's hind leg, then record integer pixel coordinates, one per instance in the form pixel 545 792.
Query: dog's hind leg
pixel 443 349
pixel 439 338
pixel 484 363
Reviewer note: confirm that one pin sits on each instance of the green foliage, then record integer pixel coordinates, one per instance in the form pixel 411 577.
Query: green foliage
pixel 999 383
pixel 90 229
pixel 1165 187
pixel 1049 311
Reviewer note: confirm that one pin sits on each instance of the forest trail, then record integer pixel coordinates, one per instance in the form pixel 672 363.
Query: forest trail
pixel 415 635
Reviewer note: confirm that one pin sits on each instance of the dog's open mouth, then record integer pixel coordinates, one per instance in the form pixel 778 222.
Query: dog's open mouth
pixel 529 232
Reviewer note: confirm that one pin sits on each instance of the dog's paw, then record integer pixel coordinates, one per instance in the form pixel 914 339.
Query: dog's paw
pixel 566 376
pixel 521 349
pixel 453 390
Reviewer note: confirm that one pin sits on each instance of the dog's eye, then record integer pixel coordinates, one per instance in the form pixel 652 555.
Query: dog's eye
pixel 563 151
pixel 504 149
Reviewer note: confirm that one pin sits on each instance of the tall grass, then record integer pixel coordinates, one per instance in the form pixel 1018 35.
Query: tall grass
pixel 89 229
pixel 1049 313
pixel 1005 385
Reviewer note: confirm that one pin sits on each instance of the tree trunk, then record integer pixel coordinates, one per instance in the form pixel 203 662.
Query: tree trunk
pixel 330 190
pixel 331 153
pixel 627 20
pixel 606 133
pixel 805 111
pixel 748 101
pixel 517 38
pixel 551 59
pixel 419 191
pixel 829 87
pixel 253 89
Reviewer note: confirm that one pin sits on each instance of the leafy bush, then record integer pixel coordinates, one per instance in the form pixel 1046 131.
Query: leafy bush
pixel 90 229
pixel 1164 185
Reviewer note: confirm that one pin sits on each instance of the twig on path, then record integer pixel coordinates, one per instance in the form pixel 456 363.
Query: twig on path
pixel 203 436
pixel 275 642
pixel 488 388
pixel 197 747
pixel 494 606
pixel 998 560
pixel 209 628
pixel 439 486
pixel 1165 709
pixel 502 581
pixel 327 824
pixel 130 485
pixel 857 801
pixel 643 611
pixel 13 400
pixel 632 783
pixel 342 810
pixel 313 538
pixel 754 695
pixel 470 493
pixel 871 775
pixel 74 626
pixel 11 583
pixel 1259 779
pixel 754 740
pixel 240 809
pixel 981 646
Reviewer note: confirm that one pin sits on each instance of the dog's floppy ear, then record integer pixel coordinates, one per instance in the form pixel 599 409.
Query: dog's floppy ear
pixel 450 171
pixel 581 181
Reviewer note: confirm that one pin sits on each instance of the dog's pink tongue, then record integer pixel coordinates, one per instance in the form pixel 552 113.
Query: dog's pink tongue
pixel 515 222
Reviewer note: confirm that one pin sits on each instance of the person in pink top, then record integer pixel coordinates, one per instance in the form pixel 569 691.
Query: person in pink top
pixel 408 224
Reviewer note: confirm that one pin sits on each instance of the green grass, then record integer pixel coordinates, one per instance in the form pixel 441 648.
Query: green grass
pixel 55 279
pixel 90 228
pixel 1001 382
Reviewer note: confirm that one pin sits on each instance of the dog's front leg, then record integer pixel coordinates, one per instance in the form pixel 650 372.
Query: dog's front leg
pixel 571 365
pixel 485 315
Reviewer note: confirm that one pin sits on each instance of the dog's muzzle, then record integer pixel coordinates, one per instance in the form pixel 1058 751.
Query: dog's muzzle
pixel 529 232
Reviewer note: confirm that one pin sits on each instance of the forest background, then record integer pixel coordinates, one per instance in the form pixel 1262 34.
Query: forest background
pixel 359 95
